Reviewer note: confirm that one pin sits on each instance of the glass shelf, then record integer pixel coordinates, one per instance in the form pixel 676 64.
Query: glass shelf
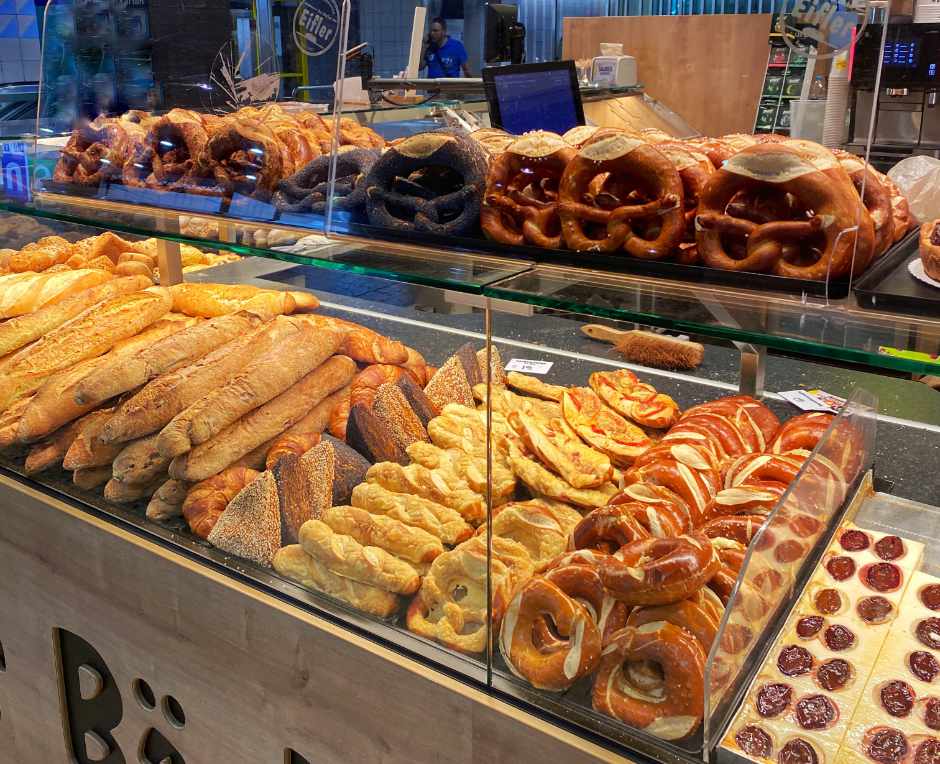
pixel 811 327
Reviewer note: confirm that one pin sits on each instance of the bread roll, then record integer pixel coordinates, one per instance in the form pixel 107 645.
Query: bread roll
pixel 263 423
pixel 88 335
pixel 165 397
pixel 126 493
pixel 294 563
pixel 47 289
pixel 20 331
pixel 261 380
pixel 210 300
pixel 250 527
pixel 184 347
pixel 54 403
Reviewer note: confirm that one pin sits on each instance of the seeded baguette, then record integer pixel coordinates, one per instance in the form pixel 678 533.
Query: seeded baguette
pixel 27 295
pixel 89 335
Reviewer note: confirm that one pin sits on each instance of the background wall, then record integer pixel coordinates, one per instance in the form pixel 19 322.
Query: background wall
pixel 19 42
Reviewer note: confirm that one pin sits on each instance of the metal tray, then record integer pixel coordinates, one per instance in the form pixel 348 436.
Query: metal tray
pixel 890 286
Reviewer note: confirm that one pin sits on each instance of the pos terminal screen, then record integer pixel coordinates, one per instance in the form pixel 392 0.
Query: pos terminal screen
pixel 534 97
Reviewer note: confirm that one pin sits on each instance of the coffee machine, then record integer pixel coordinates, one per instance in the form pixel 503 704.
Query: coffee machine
pixel 907 120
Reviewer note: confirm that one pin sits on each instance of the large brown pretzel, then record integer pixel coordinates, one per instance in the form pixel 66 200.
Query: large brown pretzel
pixel 694 169
pixel 97 151
pixel 517 203
pixel 839 221
pixel 243 157
pixel 876 196
pixel 169 151
pixel 643 168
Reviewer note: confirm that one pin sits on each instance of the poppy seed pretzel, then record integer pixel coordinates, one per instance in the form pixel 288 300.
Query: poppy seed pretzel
pixel 307 189
pixel 431 182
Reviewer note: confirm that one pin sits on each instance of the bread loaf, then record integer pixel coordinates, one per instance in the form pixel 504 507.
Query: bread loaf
pixel 362 344
pixel 450 385
pixel 261 380
pixel 391 406
pixel 165 397
pixel 89 335
pixel 167 502
pixel 373 437
pixel 420 404
pixel 139 462
pixel 27 295
pixel 294 563
pixel 290 443
pixel 440 521
pixel 54 403
pixel 345 556
pixel 210 300
pixel 89 478
pixel 183 347
pixel 206 501
pixel 410 544
pixel 87 451
pixel 19 332
pixel 295 485
pixel 250 527
pixel 263 423
pixel 51 452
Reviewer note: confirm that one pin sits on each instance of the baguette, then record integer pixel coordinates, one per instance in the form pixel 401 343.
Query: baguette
pixel 362 344
pixel 264 423
pixel 210 300
pixel 294 563
pixel 139 462
pixel 54 403
pixel 87 451
pixel 28 295
pixel 125 493
pixel 165 397
pixel 346 557
pixel 90 478
pixel 266 377
pixel 20 331
pixel 167 501
pixel 183 347
pixel 51 452
pixel 88 335
pixel 10 422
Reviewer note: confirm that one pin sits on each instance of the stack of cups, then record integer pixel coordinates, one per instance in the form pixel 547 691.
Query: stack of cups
pixel 837 103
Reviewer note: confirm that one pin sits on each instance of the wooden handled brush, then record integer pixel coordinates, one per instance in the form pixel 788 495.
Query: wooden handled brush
pixel 648 349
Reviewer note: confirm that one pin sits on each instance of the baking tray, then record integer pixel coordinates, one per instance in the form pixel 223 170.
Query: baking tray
pixel 890 286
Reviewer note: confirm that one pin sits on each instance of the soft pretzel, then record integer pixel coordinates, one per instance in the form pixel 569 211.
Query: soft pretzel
pixel 520 200
pixel 630 164
pixel 206 501
pixel 602 428
pixel 607 529
pixel 494 140
pixel 711 434
pixel 661 520
pixel 739 528
pixel 639 402
pixel 574 648
pixel 694 169
pixel 657 497
pixel 693 456
pixel 875 195
pixel 747 414
pixel 840 222
pixel 168 152
pixel 801 433
pixel 308 188
pixel 659 571
pixel 671 710
pixel 694 486
pixel 692 617
pixel 901 213
pixel 752 498
pixel 96 152
pixel 354 134
pixel 243 157
pixel 583 584
pixel 780 468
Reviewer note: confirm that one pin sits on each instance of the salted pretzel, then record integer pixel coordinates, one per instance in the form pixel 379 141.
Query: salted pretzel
pixel 801 433
pixel 660 520
pixel 583 584
pixel 168 152
pixel 840 227
pixel 657 497
pixel 693 456
pixel 930 248
pixel 243 157
pixel 875 195
pixel 308 188
pixel 779 468
pixel 756 497
pixel 602 428
pixel 606 529
pixel 671 708
pixel 739 528
pixel 746 413
pixel 719 150
pixel 711 433
pixel 690 616
pixel 493 140
pixel 520 202
pixel 649 226
pixel 694 169
pixel 430 182
pixel 637 401
pixel 695 487
pixel 96 152
pixel 558 655
pixel 730 552
pixel 659 571
pixel 579 135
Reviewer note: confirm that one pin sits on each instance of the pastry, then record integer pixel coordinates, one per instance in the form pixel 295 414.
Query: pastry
pixel 930 248
pixel 290 443
pixel 641 403
pixel 438 520
pixel 602 428
pixel 250 526
pixel 409 543
pixel 557 446
pixel 442 486
pixel 532 386
pixel 544 483
pixel 471 469
pixel 534 526
pixel 205 501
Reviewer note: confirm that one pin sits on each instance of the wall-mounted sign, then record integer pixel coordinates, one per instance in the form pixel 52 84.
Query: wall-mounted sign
pixel 824 27
pixel 316 26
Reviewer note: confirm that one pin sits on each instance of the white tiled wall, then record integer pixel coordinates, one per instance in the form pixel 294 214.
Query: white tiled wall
pixel 19 41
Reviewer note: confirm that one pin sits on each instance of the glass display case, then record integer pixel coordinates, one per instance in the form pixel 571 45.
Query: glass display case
pixel 375 382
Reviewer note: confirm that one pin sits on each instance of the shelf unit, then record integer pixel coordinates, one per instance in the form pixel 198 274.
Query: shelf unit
pixel 782 63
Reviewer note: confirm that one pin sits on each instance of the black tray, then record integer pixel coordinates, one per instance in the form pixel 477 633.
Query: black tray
pixel 890 286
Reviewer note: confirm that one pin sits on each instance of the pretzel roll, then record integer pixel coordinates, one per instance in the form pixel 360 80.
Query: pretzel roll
pixel 739 528
pixel 308 188
pixel 659 571
pixel 583 584
pixel 168 152
pixel 206 501
pixel 635 167
pixel 754 498
pixel 691 617
pixel 520 202
pixel 747 414
pixel 658 497
pixel 673 709
pixel 243 157
pixel 779 468
pixel 606 529
pixel 431 182
pixel 840 227
pixel 874 194
pixel 570 655
pixel 801 433
pixel 695 487
pixel 96 152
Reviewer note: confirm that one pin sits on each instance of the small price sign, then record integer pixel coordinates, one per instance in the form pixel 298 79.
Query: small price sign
pixel 529 367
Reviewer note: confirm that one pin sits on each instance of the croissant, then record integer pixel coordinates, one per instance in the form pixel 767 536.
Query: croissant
pixel 297 443
pixel 340 416
pixel 362 344
pixel 207 500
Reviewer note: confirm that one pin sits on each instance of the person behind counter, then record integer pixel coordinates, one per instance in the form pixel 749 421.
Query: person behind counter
pixel 443 56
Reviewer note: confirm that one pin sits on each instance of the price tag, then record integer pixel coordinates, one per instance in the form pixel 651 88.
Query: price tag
pixel 814 400
pixel 529 367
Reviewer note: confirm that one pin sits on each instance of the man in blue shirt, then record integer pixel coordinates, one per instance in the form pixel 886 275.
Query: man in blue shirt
pixel 443 56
